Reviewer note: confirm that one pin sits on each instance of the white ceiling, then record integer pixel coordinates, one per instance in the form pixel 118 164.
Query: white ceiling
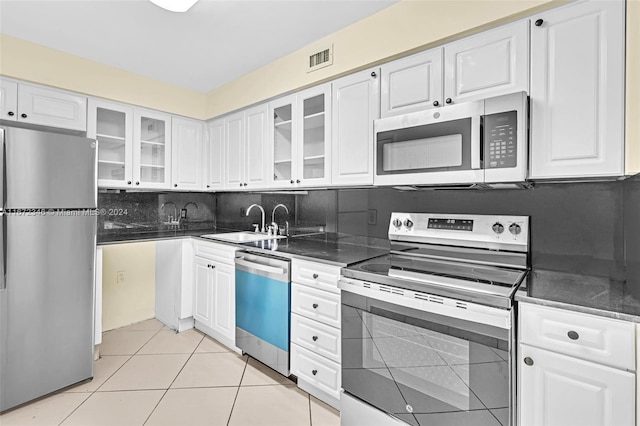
pixel 215 42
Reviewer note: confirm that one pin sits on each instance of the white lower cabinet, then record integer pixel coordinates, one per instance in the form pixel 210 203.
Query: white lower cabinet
pixel 315 329
pixel 574 369
pixel 563 390
pixel 214 291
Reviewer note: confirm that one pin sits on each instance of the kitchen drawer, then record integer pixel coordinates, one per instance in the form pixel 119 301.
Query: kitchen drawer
pixel 315 336
pixel 316 304
pixel 315 275
pixel 214 251
pixel 601 340
pixel 316 370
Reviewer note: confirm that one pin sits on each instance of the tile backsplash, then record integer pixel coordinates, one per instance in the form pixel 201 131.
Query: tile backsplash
pixel 584 228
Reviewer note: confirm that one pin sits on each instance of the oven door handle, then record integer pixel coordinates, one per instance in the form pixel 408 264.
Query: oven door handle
pixel 476 142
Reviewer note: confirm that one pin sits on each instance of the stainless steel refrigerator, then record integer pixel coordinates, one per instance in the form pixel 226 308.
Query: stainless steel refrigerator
pixel 47 249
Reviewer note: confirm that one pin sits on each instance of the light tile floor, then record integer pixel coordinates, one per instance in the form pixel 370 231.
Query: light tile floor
pixel 150 375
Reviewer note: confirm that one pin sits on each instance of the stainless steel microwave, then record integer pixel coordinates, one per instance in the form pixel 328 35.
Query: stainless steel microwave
pixel 480 142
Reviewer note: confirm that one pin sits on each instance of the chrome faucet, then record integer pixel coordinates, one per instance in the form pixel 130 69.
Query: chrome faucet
pixel 190 202
pixel 171 219
pixel 261 210
pixel 274 225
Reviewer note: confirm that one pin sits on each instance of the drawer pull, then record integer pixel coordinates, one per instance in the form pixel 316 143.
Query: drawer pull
pixel 573 335
pixel 315 306
pixel 315 338
pixel 528 361
pixel 314 372
pixel 315 276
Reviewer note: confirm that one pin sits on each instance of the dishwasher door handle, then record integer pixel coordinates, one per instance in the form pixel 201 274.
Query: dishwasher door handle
pixel 259 267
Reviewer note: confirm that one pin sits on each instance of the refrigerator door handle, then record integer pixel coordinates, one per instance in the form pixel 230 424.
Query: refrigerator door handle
pixel 3 253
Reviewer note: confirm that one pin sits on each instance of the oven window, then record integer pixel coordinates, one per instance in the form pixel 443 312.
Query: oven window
pixel 425 373
pixel 429 148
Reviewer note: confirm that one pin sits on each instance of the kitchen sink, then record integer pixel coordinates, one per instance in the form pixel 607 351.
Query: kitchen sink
pixel 242 237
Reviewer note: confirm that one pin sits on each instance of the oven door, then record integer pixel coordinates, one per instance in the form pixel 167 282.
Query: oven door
pixel 430 147
pixel 426 368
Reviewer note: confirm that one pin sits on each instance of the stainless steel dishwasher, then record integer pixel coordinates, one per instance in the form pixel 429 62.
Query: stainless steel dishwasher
pixel 263 304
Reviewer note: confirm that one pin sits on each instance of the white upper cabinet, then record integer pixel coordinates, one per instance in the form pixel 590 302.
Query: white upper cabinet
pixel 257 125
pixel 186 155
pixel 411 84
pixel 284 134
pixel 151 149
pixel 42 106
pixel 492 63
pixel 8 100
pixel 577 90
pixel 355 105
pixel 301 139
pixel 246 147
pixel 112 125
pixel 234 151
pixel 214 156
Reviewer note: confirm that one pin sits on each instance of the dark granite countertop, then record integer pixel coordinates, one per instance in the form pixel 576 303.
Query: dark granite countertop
pixel 336 249
pixel 332 248
pixel 580 293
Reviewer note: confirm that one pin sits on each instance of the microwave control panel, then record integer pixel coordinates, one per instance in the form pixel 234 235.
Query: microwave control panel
pixel 500 140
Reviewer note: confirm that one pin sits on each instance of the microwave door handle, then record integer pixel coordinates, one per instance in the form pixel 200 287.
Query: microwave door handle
pixel 475 142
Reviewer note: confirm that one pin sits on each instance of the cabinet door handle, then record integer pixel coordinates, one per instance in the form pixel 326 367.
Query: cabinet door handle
pixel 315 338
pixel 528 361
pixel 240 184
pixel 208 186
pixel 11 113
pixel 291 181
pixel 539 22
pixel 137 183
pixel 373 74
pixel 23 115
pixel 448 100
pixel 297 180
pixel 245 184
pixel 314 372
pixel 315 276
pixel 315 306
pixel 573 335
pixel 128 182
pixel 175 185
pixel 436 103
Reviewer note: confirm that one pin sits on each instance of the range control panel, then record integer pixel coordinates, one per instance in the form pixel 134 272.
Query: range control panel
pixel 483 231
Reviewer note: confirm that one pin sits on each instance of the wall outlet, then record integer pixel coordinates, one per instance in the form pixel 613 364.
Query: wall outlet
pixel 243 212
pixel 183 214
pixel 120 277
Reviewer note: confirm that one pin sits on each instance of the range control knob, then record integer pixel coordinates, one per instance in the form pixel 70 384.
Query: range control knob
pixel 397 222
pixel 498 228
pixel 408 223
pixel 515 229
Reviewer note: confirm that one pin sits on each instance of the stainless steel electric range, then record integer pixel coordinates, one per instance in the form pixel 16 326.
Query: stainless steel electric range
pixel 427 330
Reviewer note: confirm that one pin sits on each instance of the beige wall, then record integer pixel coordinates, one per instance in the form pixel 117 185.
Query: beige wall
pixel 38 64
pixel 404 27
pixel 133 299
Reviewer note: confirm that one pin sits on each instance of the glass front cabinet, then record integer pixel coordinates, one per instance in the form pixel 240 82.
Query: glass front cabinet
pixel 300 129
pixel 112 125
pixel 133 145
pixel 152 150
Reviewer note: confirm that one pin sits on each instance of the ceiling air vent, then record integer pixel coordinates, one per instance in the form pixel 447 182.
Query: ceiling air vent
pixel 320 59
